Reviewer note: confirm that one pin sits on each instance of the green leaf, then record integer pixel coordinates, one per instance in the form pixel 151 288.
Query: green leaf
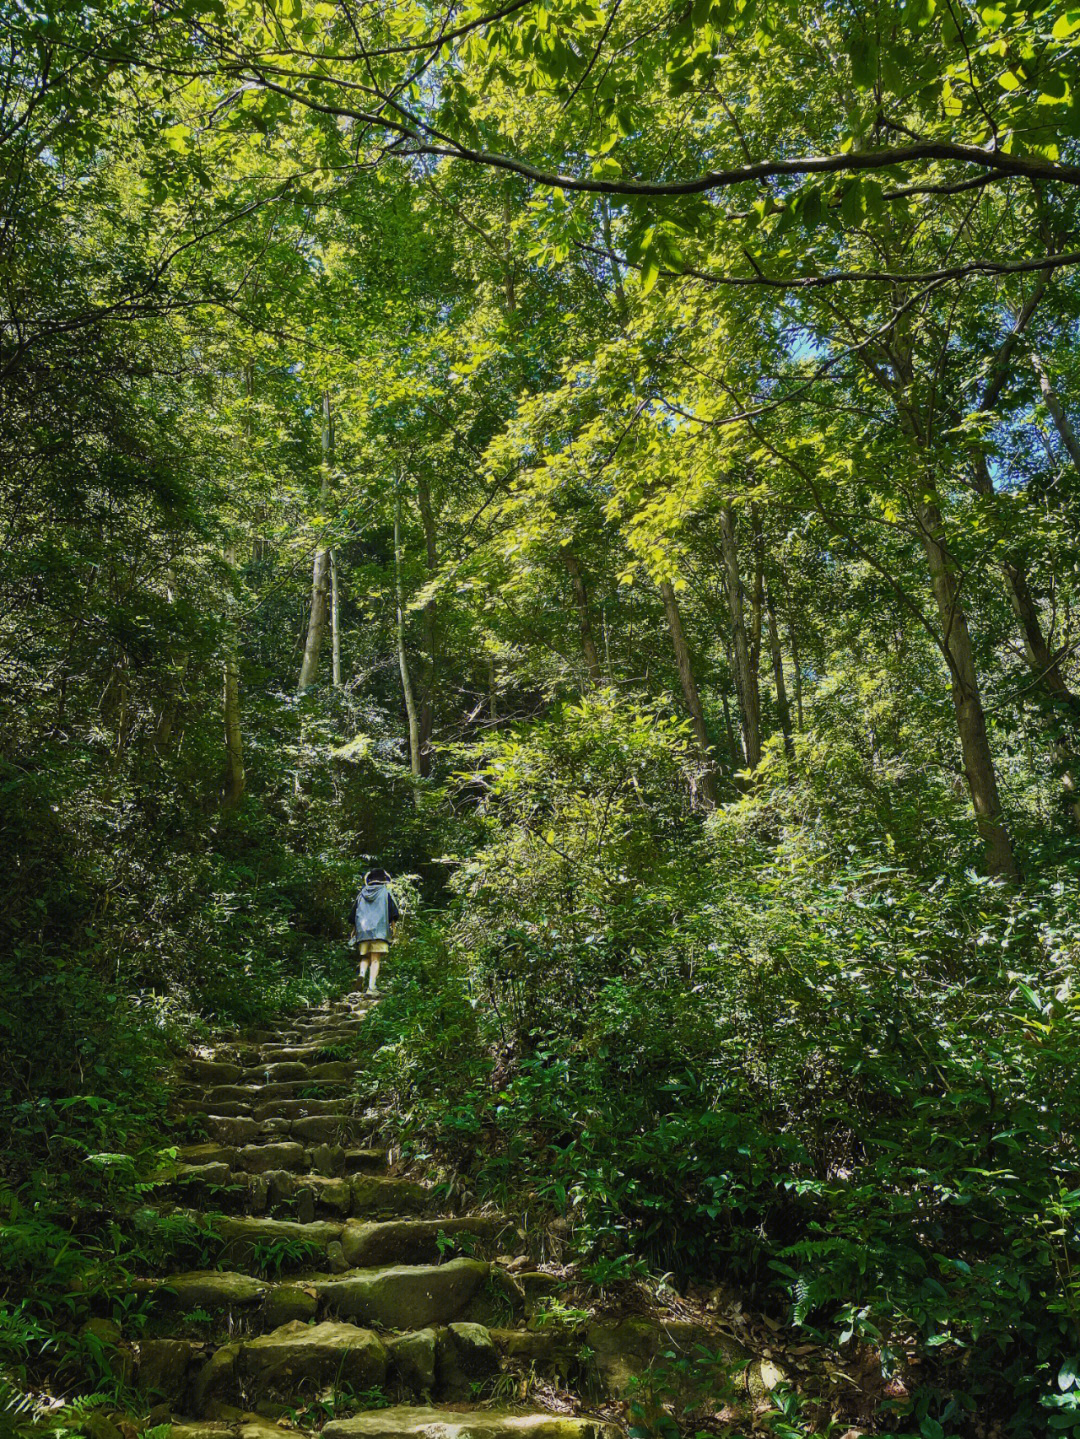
pixel 864 61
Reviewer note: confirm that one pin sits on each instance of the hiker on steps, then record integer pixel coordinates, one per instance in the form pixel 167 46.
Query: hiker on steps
pixel 374 916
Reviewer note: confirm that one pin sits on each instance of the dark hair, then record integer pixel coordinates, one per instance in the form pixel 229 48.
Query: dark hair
pixel 376 876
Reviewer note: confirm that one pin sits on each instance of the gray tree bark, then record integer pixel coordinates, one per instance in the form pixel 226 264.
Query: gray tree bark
pixel 746 673
pixel 429 618
pixel 335 622
pixel 966 694
pixel 320 576
pixel 581 602
pixel 403 659
pixel 235 779
pixel 1056 409
pixel 690 691
pixel 783 709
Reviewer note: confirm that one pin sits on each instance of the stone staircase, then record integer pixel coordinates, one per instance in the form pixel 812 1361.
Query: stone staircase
pixel 324 1292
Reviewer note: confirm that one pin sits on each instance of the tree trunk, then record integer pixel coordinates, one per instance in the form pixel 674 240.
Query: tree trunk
pixel 403 660
pixel 166 719
pixel 335 623
pixel 729 728
pixel 690 691
pixel 1041 660
pixel 429 617
pixel 320 578
pixel 966 695
pixel 235 779
pixel 757 600
pixel 581 601
pixel 1057 411
pixel 746 673
pixel 783 709
pixel 796 673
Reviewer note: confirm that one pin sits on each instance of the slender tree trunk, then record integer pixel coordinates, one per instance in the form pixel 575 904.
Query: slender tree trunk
pixel 732 743
pixel 1042 662
pixel 508 257
pixel 1057 411
pixel 783 709
pixel 746 673
pixel 167 714
pixel 235 779
pixel 429 618
pixel 690 691
pixel 403 659
pixel 493 690
pixel 966 695
pixel 581 601
pixel 335 622
pixel 796 673
pixel 320 578
pixel 757 601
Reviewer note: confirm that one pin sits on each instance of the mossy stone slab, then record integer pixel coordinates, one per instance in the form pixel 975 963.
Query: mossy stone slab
pixel 404 1296
pixel 407 1422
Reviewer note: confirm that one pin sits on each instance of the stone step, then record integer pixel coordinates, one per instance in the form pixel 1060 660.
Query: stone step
pixel 250 1158
pixel 294 1361
pixel 308 1129
pixel 298 1053
pixel 327 1160
pixel 404 1296
pixel 261 1093
pixel 283 1194
pixel 248 1243
pixel 399 1297
pixel 407 1422
pixel 334 1071
pixel 445 1356
pixel 297 1360
pixel 422 1241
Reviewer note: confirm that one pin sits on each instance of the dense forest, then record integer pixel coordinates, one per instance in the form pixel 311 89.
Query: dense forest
pixel 615 464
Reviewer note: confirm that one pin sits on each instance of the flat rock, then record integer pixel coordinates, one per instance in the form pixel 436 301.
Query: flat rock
pixel 286 1302
pixel 275 1073
pixel 233 1130
pixel 322 1128
pixel 210 1153
pixel 404 1296
pixel 333 1071
pixel 302 1356
pixel 407 1422
pixel 334 1194
pixel 409 1241
pixel 211 1289
pixel 214 1071
pixel 258 1158
pixel 373 1194
pixel 282 1053
pixel 243 1233
pixel 303 1108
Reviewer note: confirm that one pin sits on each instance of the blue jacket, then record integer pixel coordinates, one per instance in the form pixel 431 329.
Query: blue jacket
pixel 375 911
